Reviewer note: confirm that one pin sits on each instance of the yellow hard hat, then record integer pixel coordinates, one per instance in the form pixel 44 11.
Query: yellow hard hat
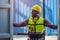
pixel 37 8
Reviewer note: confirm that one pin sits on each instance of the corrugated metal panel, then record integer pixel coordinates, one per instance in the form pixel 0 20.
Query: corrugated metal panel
pixel 3 20
pixel 51 15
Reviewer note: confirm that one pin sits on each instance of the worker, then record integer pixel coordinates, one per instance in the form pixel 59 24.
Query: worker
pixel 37 22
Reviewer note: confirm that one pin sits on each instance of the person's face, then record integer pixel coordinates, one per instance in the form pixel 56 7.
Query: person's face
pixel 35 13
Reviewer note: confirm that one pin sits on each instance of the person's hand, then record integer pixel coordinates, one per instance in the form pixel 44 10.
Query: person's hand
pixel 14 25
pixel 56 26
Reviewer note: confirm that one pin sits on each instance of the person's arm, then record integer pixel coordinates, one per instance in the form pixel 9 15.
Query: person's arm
pixel 50 25
pixel 21 24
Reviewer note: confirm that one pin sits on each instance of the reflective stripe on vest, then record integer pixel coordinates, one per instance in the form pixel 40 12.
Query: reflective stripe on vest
pixel 39 28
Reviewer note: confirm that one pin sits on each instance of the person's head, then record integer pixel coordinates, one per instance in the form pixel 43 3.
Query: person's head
pixel 36 10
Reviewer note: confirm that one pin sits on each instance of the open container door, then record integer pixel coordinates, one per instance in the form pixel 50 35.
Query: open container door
pixel 6 19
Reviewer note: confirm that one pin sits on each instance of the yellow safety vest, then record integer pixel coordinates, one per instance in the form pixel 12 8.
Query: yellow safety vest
pixel 39 28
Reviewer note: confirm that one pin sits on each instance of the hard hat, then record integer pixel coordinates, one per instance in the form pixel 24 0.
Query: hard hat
pixel 37 8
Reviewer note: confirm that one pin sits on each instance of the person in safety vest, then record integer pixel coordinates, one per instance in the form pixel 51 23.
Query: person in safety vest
pixel 36 24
